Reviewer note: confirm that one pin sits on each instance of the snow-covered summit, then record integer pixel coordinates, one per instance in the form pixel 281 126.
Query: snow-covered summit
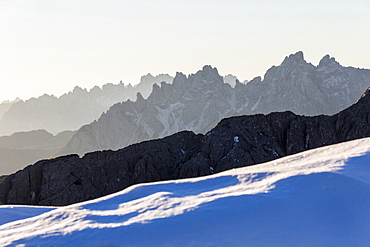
pixel 319 197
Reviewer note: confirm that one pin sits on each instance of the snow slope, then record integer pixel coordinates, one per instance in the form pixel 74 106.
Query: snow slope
pixel 316 198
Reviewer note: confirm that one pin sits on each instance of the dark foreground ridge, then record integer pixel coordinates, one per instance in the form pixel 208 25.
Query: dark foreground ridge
pixel 234 142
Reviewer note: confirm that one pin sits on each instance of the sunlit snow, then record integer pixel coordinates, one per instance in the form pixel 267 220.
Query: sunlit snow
pixel 315 198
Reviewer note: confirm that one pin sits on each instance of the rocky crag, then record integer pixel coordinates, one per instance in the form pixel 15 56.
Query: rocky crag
pixel 234 142
pixel 199 101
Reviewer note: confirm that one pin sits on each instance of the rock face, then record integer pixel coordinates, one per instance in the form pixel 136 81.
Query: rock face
pixel 234 142
pixel 71 110
pixel 198 102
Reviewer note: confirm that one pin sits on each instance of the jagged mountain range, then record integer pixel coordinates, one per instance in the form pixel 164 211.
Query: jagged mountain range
pixel 17 154
pixel 195 102
pixel 71 110
pixel 234 142
pixel 199 101
pixel 76 108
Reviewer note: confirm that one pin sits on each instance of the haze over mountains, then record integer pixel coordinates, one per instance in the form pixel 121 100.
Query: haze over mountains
pixel 198 102
pixel 72 110
pixel 25 148
pixel 31 119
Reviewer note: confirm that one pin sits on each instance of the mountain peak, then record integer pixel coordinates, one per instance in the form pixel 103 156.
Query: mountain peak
pixel 296 57
pixel 210 70
pixel 208 67
pixel 139 97
pixel 209 74
pixel 146 79
pixel 78 90
pixel 327 60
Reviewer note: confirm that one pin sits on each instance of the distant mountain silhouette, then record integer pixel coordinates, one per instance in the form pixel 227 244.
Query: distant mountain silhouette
pixel 71 110
pixel 199 101
pixel 25 148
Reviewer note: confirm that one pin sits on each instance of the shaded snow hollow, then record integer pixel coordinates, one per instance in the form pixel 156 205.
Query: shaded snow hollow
pixel 319 197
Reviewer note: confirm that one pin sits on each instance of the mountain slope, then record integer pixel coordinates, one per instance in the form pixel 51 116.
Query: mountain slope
pixel 198 102
pixel 234 142
pixel 316 198
pixel 71 110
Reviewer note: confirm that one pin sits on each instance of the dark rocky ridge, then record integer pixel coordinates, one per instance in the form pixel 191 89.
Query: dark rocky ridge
pixel 234 142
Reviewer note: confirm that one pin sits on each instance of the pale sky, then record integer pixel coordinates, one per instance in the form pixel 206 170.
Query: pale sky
pixel 51 46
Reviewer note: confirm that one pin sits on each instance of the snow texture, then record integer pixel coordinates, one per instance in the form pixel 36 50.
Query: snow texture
pixel 319 197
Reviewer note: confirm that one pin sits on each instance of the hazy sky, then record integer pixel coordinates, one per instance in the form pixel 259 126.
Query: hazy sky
pixel 51 46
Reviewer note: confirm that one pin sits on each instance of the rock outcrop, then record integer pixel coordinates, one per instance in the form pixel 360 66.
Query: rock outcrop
pixel 234 142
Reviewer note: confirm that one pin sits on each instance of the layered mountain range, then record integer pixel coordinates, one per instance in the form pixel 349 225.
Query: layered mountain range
pixel 234 142
pixel 72 110
pixel 199 101
pixel 196 102
pixel 16 155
